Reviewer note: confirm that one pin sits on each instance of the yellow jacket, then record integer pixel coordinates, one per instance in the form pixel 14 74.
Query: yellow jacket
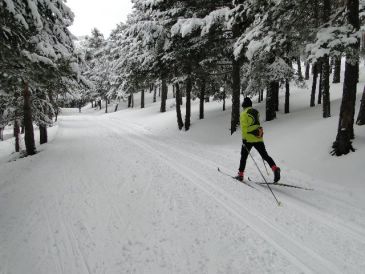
pixel 250 125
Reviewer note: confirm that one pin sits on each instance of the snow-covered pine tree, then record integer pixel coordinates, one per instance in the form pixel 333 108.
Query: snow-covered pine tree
pixel 34 41
pixel 96 67
pixel 135 54
pixel 269 43
pixel 206 38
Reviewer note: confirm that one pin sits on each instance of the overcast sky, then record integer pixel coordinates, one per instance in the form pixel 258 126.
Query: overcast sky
pixel 104 15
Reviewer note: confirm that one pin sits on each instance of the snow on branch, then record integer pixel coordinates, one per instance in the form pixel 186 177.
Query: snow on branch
pixel 332 41
pixel 216 17
pixel 186 26
pixel 35 58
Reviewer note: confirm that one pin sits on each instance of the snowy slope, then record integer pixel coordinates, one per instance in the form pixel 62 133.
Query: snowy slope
pixel 127 192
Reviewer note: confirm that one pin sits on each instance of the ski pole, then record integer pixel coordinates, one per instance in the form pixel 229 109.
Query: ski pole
pixel 279 203
pixel 267 172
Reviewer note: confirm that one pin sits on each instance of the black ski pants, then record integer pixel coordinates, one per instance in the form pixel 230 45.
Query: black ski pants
pixel 260 147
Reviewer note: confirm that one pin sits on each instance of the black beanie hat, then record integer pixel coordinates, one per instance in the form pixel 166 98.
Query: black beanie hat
pixel 247 102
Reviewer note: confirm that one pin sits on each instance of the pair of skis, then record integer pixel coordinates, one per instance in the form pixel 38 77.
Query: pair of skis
pixel 281 184
pixel 264 184
pixel 233 177
pixel 268 184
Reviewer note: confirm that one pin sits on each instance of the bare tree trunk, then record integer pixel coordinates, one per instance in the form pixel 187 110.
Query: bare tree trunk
pixel 345 133
pixel 326 67
pixel 16 134
pixel 181 97
pixel 343 144
pixel 261 96
pixel 154 94
pixel 106 104
pixel 337 70
pixel 361 116
pixel 224 99
pixel 28 122
pixel 202 99
pixel 287 96
pixel 307 70
pixel 314 84
pixel 142 98
pixel 299 64
pixel 320 90
pixel 235 115
pixel 270 102
pixel 189 86
pixel 43 136
pixel 326 87
pixel 130 100
pixel 276 96
pixel 180 122
pixel 163 96
pixel 1 126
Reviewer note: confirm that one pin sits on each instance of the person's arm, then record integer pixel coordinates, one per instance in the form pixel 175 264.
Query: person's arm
pixel 244 125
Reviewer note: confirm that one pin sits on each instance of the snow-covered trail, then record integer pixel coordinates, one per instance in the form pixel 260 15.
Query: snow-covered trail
pixel 107 196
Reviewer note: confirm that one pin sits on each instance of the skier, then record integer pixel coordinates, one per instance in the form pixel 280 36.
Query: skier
pixel 252 136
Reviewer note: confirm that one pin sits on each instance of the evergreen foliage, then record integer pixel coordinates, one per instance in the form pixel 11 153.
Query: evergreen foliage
pixel 36 60
pixel 200 48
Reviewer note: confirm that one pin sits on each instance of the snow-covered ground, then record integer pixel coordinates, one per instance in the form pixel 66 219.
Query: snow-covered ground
pixel 127 192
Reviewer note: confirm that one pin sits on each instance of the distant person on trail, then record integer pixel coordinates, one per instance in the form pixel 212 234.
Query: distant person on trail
pixel 252 136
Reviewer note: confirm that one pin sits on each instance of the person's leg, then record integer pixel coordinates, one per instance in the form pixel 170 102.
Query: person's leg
pixel 260 147
pixel 246 147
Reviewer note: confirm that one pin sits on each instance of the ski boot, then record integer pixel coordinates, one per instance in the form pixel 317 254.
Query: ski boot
pixel 239 176
pixel 276 171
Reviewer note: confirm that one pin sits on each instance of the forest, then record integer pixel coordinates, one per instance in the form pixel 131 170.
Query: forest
pixel 205 50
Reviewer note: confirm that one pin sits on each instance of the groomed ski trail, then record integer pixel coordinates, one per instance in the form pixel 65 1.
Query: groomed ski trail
pixel 356 231
pixel 108 197
pixel 303 254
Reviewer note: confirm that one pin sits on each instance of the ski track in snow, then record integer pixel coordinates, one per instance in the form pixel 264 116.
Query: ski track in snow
pixel 356 231
pixel 322 265
pixel 126 201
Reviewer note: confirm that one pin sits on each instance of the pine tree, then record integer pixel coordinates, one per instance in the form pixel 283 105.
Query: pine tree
pixel 33 43
pixel 345 133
